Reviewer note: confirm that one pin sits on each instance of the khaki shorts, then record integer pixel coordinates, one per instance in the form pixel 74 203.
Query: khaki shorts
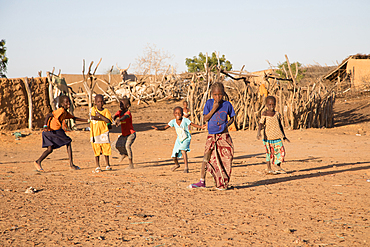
pixel 102 148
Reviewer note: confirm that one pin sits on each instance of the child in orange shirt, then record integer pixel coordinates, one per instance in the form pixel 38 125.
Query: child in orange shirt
pixel 53 136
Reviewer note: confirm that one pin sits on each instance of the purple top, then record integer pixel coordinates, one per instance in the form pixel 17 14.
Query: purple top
pixel 218 121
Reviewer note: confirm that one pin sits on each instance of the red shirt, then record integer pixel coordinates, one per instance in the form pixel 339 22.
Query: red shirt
pixel 126 125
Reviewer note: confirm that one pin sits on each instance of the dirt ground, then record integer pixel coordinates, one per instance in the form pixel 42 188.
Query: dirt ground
pixel 322 201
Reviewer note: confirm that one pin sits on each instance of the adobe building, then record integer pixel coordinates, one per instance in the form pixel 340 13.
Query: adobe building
pixel 354 72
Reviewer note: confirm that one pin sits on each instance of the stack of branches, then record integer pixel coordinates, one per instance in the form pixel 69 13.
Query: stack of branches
pixel 142 89
pixel 301 106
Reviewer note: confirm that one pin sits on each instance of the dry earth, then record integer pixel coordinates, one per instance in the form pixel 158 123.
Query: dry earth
pixel 322 201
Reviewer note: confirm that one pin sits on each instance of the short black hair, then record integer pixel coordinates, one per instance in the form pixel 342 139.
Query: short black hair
pixel 99 95
pixel 270 97
pixel 178 107
pixel 126 100
pixel 218 85
pixel 62 98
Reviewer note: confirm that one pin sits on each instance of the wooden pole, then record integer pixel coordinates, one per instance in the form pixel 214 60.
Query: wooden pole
pixel 27 86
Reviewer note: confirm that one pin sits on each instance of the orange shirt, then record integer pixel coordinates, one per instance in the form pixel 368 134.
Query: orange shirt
pixel 58 117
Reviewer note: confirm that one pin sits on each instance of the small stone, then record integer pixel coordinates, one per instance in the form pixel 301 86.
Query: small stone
pixel 30 190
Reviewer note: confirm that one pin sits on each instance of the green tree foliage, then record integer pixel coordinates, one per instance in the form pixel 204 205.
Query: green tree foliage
pixel 115 71
pixel 283 70
pixel 3 59
pixel 196 64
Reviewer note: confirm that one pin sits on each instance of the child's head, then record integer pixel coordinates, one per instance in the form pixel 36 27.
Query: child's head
pixel 64 102
pixel 99 101
pixel 178 112
pixel 124 104
pixel 185 104
pixel 217 91
pixel 270 103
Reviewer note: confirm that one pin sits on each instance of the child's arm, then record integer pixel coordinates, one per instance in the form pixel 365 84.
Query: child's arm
pixel 50 115
pixel 213 110
pixel 259 131
pixel 100 117
pixel 122 119
pixel 161 128
pixel 198 126
pixel 282 130
pixel 81 119
pixel 230 122
pixel 260 126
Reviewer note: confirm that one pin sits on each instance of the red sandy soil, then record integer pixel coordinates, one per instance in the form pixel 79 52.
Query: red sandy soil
pixel 322 201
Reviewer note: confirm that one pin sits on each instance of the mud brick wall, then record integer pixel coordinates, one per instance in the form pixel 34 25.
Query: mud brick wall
pixel 14 103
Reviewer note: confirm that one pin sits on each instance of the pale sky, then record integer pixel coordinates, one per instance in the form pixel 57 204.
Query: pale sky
pixel 41 35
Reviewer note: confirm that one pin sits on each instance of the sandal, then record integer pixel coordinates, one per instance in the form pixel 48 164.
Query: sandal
pixel 221 188
pixel 38 167
pixel 108 168
pixel 281 171
pixel 74 167
pixel 97 170
pixel 201 185
pixel 271 172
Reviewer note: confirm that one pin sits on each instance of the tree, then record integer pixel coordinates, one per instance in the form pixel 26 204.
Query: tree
pixel 115 71
pixel 153 62
pixel 3 59
pixel 283 70
pixel 196 64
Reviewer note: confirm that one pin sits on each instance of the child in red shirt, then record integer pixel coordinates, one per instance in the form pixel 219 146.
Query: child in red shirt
pixel 124 142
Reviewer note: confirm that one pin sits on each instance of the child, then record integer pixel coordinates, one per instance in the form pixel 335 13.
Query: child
pixel 124 142
pixel 185 109
pixel 219 150
pixel 101 121
pixel 182 143
pixel 273 132
pixel 53 136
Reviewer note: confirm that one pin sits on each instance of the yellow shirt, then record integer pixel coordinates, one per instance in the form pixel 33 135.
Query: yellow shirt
pixel 99 132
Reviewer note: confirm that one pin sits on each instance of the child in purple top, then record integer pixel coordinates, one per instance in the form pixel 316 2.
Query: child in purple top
pixel 219 149
pixel 218 122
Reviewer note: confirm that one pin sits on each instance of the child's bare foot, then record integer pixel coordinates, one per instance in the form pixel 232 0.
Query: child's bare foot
pixel 73 167
pixel 38 167
pixel 175 167
pixel 122 158
pixel 130 167
pixel 186 170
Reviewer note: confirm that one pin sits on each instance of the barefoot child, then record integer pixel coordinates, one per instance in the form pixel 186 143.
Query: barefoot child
pixel 53 136
pixel 124 142
pixel 273 132
pixel 182 144
pixel 219 150
pixel 101 121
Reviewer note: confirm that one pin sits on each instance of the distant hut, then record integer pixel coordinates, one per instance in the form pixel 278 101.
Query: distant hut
pixel 353 72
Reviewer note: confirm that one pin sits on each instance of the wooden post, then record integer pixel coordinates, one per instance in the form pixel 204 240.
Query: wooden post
pixel 51 97
pixel 27 86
